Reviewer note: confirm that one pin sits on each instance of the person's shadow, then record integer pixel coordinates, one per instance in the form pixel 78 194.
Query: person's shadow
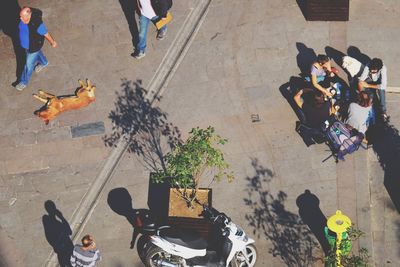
pixel 9 19
pixel 356 53
pixel 120 201
pixel 305 57
pixel 58 232
pixel 129 7
pixel 311 214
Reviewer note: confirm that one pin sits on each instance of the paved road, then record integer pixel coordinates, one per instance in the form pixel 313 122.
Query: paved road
pixel 244 52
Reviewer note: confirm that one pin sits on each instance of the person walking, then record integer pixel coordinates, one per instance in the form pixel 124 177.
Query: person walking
pixel 85 255
pixel 150 10
pixel 32 33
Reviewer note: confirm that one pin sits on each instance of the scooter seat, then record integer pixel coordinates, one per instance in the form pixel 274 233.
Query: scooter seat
pixel 186 238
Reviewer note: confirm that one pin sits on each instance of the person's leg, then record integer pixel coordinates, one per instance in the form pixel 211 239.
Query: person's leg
pixel 31 59
pixel 162 33
pixel 144 25
pixel 42 60
pixel 382 99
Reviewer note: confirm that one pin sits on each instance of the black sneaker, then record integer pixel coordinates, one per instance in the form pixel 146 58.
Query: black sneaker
pixel 161 34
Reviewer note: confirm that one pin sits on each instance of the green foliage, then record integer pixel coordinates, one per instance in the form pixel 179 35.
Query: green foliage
pixel 360 260
pixel 348 259
pixel 186 163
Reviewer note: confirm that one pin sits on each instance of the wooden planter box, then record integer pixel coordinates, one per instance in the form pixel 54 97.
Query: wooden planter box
pixel 165 202
pixel 169 208
pixel 178 207
pixel 184 217
pixel 326 10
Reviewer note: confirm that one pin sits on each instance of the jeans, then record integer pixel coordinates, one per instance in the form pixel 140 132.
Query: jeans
pixel 144 25
pixel 31 60
pixel 382 96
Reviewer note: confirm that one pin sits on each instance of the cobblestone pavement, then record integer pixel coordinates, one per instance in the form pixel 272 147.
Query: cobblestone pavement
pixel 243 54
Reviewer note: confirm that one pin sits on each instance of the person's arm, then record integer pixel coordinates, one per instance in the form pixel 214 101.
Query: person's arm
pixel 297 98
pixel 333 109
pixel 50 39
pixel 318 86
pixel 42 30
pixel 361 80
pixel 73 260
pixel 97 255
pixel 383 84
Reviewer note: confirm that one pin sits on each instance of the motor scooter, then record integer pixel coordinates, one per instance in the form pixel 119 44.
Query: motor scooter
pixel 166 246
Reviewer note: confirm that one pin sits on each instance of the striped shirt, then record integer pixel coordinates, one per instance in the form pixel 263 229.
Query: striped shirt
pixel 84 258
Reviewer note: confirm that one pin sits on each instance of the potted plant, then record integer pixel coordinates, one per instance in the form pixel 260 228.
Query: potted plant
pixel 185 166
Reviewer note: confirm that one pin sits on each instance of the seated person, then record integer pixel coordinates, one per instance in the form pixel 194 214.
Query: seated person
pixel 361 113
pixel 317 110
pixel 373 79
pixel 322 74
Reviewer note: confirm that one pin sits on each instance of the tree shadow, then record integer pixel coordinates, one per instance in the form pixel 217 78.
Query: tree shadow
pixel 145 127
pixel 120 201
pixel 58 232
pixel 129 8
pixel 9 20
pixel 385 141
pixel 305 57
pixel 291 239
pixel 311 214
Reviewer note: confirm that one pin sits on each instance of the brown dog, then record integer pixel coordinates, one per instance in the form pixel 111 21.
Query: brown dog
pixel 83 96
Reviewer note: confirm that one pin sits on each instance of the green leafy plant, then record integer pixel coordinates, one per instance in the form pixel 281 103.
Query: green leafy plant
pixel 188 161
pixel 349 259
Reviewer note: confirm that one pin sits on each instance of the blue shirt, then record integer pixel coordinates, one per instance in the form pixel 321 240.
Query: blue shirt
pixel 24 33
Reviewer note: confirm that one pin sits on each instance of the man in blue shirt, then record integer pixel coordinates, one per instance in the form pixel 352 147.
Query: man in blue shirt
pixel 32 33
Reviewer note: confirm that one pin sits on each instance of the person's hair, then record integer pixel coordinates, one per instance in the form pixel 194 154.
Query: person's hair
pixel 364 100
pixel 87 241
pixel 376 64
pixel 322 59
pixel 318 98
pixel 28 10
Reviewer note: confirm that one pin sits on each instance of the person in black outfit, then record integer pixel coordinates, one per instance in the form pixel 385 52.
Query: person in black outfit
pixel 314 107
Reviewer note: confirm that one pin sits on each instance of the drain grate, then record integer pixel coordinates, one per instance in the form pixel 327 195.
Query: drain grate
pixel 93 128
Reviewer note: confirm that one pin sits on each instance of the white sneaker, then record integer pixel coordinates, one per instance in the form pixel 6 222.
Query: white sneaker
pixel 20 87
pixel 140 55
pixel 39 67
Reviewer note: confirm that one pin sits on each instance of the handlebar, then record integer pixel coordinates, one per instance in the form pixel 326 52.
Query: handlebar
pixel 215 216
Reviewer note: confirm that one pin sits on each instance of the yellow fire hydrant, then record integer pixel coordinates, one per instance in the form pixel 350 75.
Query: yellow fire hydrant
pixel 338 223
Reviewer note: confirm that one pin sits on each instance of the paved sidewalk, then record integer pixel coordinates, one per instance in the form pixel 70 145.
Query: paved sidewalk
pixel 40 163
pixel 243 53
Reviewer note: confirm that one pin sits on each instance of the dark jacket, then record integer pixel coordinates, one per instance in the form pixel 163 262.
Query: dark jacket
pixel 161 7
pixel 35 40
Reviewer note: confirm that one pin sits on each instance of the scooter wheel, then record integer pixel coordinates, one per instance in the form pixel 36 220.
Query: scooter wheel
pixel 142 247
pixel 155 256
pixel 246 258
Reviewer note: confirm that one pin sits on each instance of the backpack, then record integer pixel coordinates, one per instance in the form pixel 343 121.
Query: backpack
pixel 343 139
